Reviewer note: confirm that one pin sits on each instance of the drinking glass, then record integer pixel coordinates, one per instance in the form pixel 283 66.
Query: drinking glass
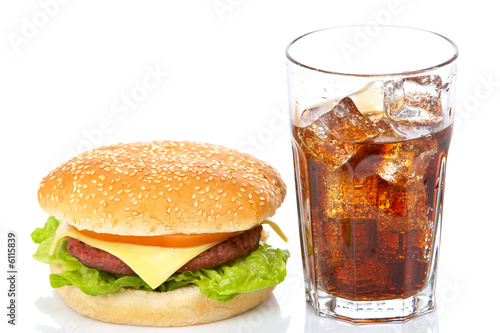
pixel 371 115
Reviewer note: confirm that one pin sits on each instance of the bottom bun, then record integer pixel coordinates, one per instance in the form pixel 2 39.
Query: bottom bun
pixel 180 307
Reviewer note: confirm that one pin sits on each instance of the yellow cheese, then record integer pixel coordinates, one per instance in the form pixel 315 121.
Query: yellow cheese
pixel 153 264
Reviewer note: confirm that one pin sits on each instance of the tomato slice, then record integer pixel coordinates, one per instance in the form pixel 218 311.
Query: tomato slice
pixel 175 240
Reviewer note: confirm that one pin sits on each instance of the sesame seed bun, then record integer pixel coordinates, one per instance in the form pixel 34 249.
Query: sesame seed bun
pixel 162 188
pixel 149 308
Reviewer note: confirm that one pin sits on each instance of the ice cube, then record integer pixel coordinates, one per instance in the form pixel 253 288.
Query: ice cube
pixel 427 149
pixel 391 131
pixel 394 169
pixel 394 97
pixel 346 123
pixel 312 113
pixel 418 187
pixel 316 141
pixel 330 137
pixel 406 161
pixel 396 162
pixel 414 100
pixel 433 82
pixel 370 100
pixel 338 196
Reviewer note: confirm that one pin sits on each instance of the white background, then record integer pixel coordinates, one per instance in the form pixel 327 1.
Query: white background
pixel 67 67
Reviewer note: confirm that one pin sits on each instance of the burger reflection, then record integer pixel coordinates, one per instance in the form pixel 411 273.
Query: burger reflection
pixel 266 317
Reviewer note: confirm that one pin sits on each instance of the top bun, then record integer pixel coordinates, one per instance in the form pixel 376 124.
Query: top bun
pixel 162 188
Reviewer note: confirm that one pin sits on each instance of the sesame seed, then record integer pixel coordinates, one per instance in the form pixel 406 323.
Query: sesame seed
pixel 165 166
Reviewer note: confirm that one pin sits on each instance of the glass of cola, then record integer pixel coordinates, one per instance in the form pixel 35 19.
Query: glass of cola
pixel 371 116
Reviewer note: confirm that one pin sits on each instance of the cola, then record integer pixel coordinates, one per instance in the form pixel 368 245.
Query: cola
pixel 369 185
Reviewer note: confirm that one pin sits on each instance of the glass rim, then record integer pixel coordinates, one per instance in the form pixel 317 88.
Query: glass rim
pixel 404 73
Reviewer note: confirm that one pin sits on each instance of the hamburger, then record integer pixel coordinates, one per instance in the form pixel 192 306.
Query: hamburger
pixel 161 233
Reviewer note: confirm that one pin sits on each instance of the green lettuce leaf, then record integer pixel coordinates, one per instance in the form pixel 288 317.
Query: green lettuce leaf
pixel 260 269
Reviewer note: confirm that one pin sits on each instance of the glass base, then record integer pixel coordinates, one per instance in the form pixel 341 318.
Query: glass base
pixel 401 309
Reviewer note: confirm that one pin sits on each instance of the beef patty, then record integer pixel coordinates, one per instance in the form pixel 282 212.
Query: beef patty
pixel 231 249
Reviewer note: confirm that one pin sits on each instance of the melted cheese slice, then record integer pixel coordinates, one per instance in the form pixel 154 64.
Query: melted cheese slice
pixel 153 264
